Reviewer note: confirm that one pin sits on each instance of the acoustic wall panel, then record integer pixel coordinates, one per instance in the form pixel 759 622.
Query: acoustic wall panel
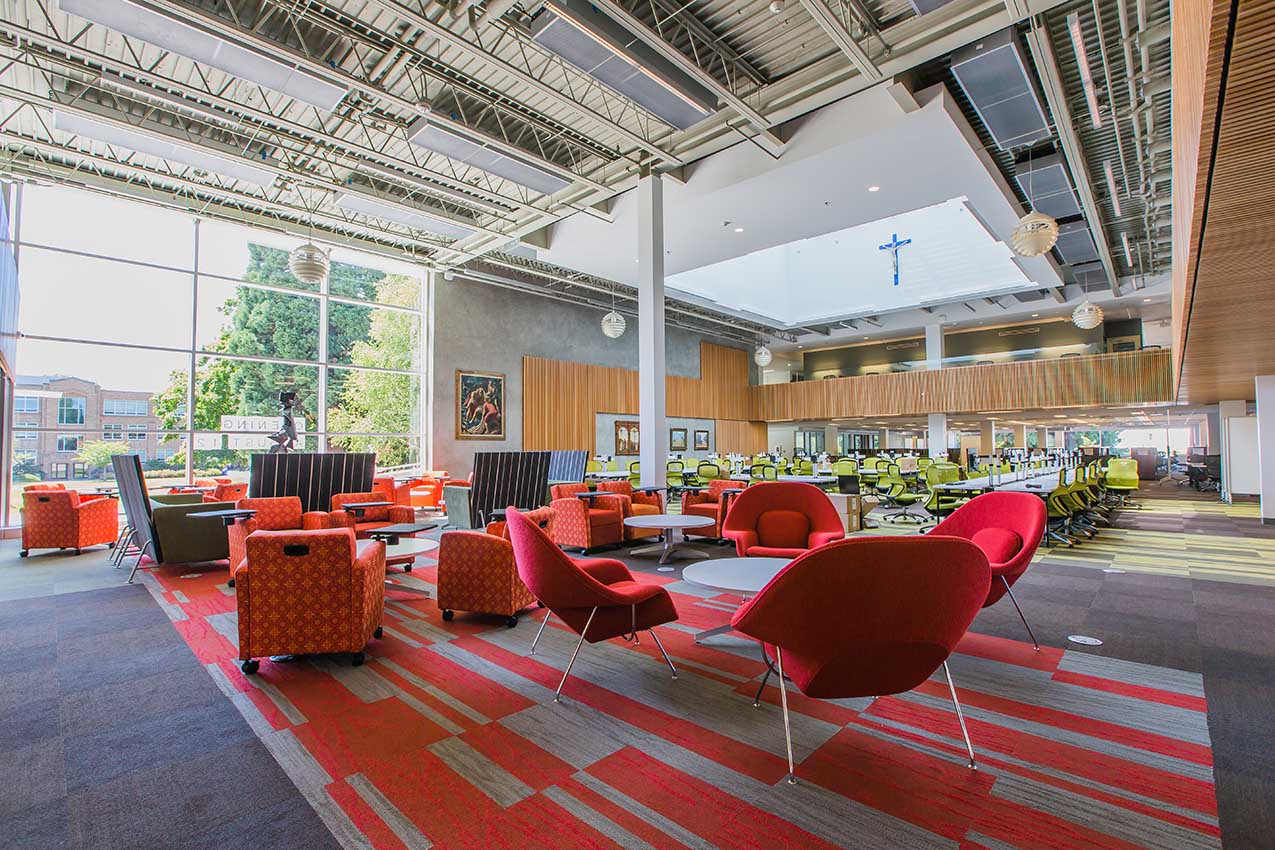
pixel 312 476
pixel 502 479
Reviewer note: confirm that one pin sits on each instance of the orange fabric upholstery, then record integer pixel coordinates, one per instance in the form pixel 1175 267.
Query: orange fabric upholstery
pixel 372 518
pixel 399 494
pixel 227 493
pixel 710 503
pixel 306 592
pixel 635 504
pixel 58 519
pixel 585 523
pixel 84 497
pixel 279 513
pixel 476 571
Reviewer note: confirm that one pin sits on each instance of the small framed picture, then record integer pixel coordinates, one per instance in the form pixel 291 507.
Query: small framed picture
pixel 701 441
pixel 677 439
pixel 626 438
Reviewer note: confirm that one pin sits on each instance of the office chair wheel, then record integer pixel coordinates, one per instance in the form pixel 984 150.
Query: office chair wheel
pixel 357 659
pixel 448 614
pixel 23 553
pixel 511 622
pixel 230 583
pixel 250 666
pixel 379 633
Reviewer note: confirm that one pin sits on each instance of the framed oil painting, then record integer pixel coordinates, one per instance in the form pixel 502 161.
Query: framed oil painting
pixel 677 439
pixel 480 406
pixel 626 437
pixel 701 441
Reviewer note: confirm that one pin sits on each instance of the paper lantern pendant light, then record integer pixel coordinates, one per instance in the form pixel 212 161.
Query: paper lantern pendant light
pixel 1087 316
pixel 1034 234
pixel 762 356
pixel 309 263
pixel 613 325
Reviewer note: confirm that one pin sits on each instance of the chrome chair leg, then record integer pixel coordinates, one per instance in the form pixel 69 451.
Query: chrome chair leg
pixel 141 553
pixel 557 695
pixel 1035 644
pixel 660 647
pixel 540 631
pixel 783 701
pixel 960 716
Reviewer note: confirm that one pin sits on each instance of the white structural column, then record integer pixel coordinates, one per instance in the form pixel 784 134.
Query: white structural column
pixel 651 370
pixel 936 436
pixel 987 437
pixel 1042 438
pixel 933 347
pixel 830 434
pixel 1227 410
pixel 1020 436
pixel 883 439
pixel 1266 445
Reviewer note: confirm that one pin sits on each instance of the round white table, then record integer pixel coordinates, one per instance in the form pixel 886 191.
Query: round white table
pixel 745 576
pixel 404 552
pixel 667 524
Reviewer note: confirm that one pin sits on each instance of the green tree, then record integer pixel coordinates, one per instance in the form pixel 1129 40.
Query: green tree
pixel 97 453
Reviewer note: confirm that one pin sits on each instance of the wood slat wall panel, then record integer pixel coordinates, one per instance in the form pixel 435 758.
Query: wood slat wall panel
pixel 735 435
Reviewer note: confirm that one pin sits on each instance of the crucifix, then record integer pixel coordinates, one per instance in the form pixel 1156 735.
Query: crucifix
pixel 893 247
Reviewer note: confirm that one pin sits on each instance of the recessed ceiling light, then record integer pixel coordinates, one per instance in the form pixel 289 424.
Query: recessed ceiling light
pixel 874 188
pixel 1146 300
pixel 1035 315
pixel 739 230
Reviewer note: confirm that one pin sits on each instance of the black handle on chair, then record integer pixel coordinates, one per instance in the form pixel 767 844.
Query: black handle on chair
pixel 296 549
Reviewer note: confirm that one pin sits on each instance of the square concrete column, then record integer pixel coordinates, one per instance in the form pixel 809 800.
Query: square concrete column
pixel 933 347
pixel 1042 438
pixel 936 436
pixel 1020 436
pixel 830 434
pixel 1266 445
pixel 651 367
pixel 987 437
pixel 883 439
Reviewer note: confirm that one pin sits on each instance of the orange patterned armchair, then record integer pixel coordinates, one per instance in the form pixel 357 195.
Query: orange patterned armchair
pixel 279 513
pixel 476 571
pixel 372 518
pixel 399 494
pixel 636 503
pixel 227 493
pixel 585 523
pixel 309 592
pixel 59 519
pixel 84 497
pixel 710 503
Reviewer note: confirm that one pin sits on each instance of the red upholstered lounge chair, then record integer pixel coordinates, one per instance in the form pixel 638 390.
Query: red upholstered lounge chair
pixel 227 493
pixel 1008 528
pixel 476 571
pixel 399 494
pixel 309 592
pixel 597 598
pixel 372 518
pixel 781 519
pixel 867 617
pixel 84 497
pixel 711 503
pixel 59 519
pixel 636 503
pixel 585 523
pixel 278 513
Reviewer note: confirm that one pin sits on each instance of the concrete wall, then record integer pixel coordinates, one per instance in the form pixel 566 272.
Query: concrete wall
pixel 605 438
pixel 481 327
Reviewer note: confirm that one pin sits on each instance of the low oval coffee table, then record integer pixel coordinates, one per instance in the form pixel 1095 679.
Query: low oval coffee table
pixel 667 524
pixel 403 553
pixel 745 576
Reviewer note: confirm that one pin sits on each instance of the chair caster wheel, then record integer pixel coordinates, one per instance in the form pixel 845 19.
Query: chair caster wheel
pixel 76 552
pixel 230 583
pixel 510 622
pixel 357 659
pixel 250 666
pixel 379 633
pixel 110 545
pixel 448 614
pixel 407 568
pixel 24 553
pixel 539 604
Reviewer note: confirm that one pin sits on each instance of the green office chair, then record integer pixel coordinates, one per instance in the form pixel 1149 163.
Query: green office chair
pixel 675 472
pixel 845 467
pixel 612 465
pixel 894 490
pixel 763 472
pixel 805 467
pixel 707 471
pixel 635 473
pixel 592 466
pixel 1122 479
pixel 938 502
pixel 1059 518
pixel 923 463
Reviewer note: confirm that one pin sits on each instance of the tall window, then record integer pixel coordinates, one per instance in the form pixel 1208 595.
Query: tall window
pixel 125 299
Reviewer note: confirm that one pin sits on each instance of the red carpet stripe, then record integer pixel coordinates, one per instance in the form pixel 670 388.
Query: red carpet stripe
pixel 1136 691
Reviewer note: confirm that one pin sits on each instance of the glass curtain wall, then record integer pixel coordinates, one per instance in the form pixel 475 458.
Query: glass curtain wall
pixel 146 330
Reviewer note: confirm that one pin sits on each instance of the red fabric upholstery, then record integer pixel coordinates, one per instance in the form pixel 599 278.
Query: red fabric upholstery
pixel 710 503
pixel 57 519
pixel 304 592
pixel 869 616
pixel 84 497
pixel 278 513
pixel 781 519
pixel 372 518
pixel 476 571
pixel 227 493
pixel 991 521
pixel 571 589
pixel 399 494
pixel 635 504
pixel 582 523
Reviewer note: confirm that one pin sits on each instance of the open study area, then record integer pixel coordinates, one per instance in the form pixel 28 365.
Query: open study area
pixel 618 425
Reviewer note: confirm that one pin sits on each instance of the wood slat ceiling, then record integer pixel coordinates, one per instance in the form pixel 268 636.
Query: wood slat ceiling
pixel 1224 306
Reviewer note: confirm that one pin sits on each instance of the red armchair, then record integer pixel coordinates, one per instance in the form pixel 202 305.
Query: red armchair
pixel 585 523
pixel 711 503
pixel 399 494
pixel 309 592
pixel 597 598
pixel 636 503
pixel 1008 528
pixel 781 519
pixel 372 518
pixel 279 513
pixel 59 519
pixel 227 493
pixel 84 497
pixel 867 617
pixel 476 571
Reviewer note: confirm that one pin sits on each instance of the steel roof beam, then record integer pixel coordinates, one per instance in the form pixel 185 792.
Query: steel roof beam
pixel 828 21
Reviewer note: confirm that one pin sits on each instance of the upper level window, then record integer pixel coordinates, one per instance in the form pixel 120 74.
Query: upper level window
pixel 70 411
pixel 68 444
pixel 125 407
pixel 26 404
